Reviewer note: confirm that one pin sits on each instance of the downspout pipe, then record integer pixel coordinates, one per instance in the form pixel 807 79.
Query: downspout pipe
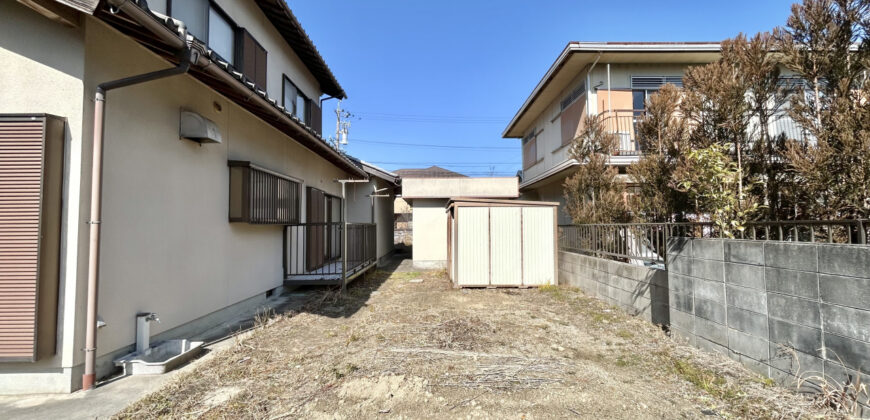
pixel 589 83
pixel 185 56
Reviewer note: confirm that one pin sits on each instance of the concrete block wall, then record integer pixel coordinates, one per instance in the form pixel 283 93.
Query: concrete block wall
pixel 639 290
pixel 782 309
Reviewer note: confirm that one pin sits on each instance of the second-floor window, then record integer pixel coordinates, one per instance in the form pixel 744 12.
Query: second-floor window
pixel 235 45
pixel 296 102
pixel 530 149
pixel 643 86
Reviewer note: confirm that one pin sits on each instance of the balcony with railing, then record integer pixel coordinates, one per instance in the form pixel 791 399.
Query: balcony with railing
pixel 623 124
pixel 313 252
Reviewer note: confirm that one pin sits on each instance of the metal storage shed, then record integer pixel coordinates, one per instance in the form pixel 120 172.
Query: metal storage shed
pixel 501 243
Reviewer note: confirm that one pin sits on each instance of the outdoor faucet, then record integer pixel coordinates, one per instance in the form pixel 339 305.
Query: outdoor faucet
pixel 143 330
pixel 149 316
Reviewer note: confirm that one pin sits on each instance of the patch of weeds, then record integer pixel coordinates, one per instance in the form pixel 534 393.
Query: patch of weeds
pixel 624 334
pixel 627 360
pixel 341 372
pixel 765 381
pixel 704 379
pixel 353 337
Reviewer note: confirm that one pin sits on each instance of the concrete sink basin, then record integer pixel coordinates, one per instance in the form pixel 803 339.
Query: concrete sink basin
pixel 159 359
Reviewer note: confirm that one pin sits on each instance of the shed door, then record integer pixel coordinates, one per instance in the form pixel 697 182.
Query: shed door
pixel 506 243
pixel 472 248
pixel 539 261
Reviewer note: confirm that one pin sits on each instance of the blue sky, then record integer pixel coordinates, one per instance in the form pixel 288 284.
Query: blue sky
pixel 453 73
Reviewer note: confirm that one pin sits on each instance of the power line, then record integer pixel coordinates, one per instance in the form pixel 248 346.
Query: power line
pixel 432 117
pixel 436 146
pixel 457 164
pixel 429 120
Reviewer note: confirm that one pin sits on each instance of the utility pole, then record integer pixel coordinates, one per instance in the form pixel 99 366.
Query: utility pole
pixel 342 125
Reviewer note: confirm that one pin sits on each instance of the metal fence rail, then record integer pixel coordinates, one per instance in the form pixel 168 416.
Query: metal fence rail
pixel 313 250
pixel 647 242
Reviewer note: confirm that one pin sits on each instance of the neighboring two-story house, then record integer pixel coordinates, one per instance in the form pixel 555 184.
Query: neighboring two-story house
pixel 200 173
pixel 588 78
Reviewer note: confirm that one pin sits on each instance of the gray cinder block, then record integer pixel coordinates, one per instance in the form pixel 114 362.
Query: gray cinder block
pixel 752 299
pixel 745 252
pixel 682 320
pixel 711 346
pixel 710 290
pixel 712 311
pixel 708 249
pixel 797 283
pixel 680 265
pixel 748 321
pixel 853 353
pixel 681 301
pixel 844 260
pixel 847 291
pixel 794 362
pixel 794 256
pixel 679 246
pixel 712 331
pixel 745 275
pixel 680 283
pixel 848 322
pixel 794 309
pixel 749 345
pixel 708 269
pixel 804 339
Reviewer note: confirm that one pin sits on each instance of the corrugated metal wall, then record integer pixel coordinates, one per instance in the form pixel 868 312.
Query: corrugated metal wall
pixel 538 246
pixel 473 246
pixel 506 257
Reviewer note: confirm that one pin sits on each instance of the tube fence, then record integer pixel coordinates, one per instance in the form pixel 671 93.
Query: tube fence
pixel 646 243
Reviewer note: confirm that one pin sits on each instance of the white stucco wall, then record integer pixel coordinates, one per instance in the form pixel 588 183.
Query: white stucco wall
pixel 280 59
pixel 43 70
pixel 430 233
pixel 167 245
pixel 491 187
pixel 360 210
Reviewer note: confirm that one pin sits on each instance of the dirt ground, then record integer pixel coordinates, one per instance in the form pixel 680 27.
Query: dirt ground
pixel 408 345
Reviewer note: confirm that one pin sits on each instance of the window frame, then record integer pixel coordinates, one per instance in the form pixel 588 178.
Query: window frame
pixel 307 100
pixel 531 137
pixel 235 27
pixel 249 203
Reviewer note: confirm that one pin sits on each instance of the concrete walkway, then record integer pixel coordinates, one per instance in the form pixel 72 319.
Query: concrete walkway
pixel 114 394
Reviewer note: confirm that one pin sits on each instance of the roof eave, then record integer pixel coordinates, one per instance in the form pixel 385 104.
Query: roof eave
pixel 601 47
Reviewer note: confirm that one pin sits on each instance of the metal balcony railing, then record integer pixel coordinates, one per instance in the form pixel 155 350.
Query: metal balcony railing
pixel 313 251
pixel 623 123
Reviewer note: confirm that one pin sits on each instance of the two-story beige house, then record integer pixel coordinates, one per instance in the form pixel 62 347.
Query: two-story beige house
pixel 588 78
pixel 163 157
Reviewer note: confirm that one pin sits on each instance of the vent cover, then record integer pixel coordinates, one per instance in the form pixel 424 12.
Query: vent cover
pixel 198 128
pixel 655 82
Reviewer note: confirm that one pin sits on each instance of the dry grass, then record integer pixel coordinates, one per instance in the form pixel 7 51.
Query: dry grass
pixel 425 350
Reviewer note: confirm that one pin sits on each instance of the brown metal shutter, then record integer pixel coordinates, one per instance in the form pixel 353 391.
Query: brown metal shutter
pixel 253 58
pixel 30 189
pixel 316 117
